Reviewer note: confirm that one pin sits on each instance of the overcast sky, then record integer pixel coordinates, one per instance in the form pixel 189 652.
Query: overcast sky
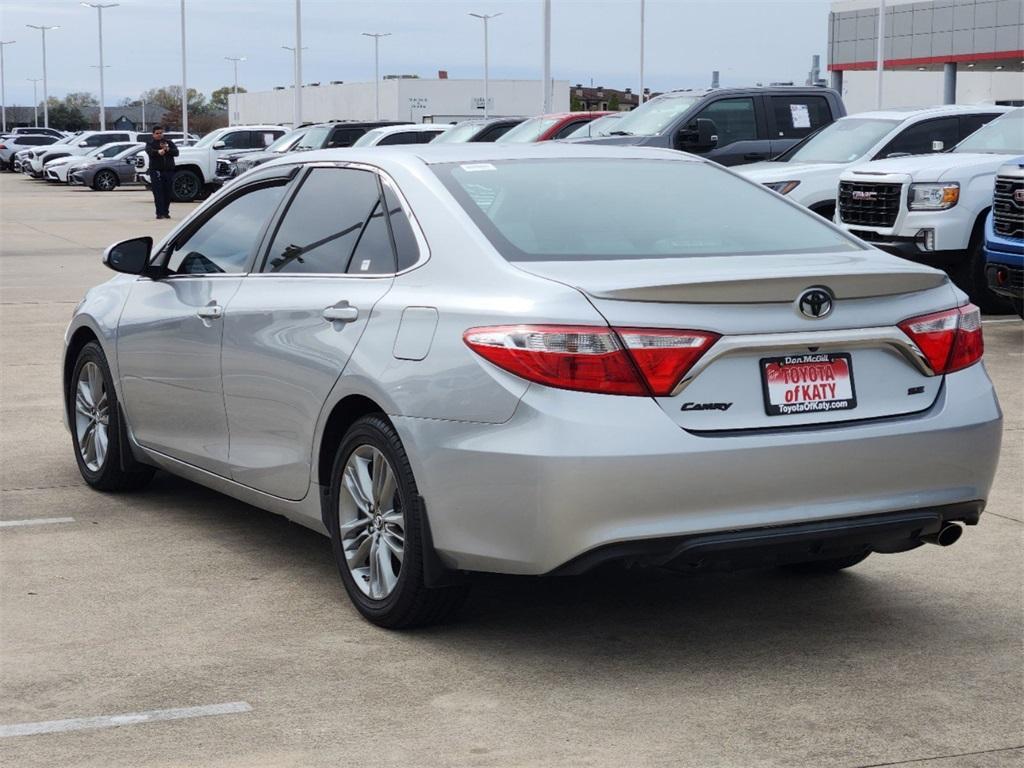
pixel 748 40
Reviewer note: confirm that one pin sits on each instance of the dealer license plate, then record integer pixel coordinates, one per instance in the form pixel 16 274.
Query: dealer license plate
pixel 813 383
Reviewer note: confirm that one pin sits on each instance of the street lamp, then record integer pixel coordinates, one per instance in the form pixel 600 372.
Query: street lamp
pixel 184 78
pixel 298 63
pixel 46 108
pixel 103 109
pixel 376 68
pixel 640 93
pixel 297 114
pixel 3 91
pixel 99 13
pixel 546 100
pixel 35 99
pixel 234 60
pixel 485 17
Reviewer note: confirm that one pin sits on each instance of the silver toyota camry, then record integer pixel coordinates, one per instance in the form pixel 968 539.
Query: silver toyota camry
pixel 536 360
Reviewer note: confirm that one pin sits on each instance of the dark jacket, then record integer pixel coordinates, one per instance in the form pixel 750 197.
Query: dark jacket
pixel 158 162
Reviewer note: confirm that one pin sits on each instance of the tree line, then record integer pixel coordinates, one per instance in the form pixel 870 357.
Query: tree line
pixel 204 114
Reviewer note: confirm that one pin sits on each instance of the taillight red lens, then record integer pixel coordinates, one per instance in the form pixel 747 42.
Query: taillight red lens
pixel 664 356
pixel 631 361
pixel 950 340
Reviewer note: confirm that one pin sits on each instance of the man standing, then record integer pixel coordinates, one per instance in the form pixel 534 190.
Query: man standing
pixel 161 154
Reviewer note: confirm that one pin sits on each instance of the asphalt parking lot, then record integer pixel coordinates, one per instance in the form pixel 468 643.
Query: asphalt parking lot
pixel 224 636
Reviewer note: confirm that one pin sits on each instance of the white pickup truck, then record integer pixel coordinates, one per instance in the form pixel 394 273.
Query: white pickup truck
pixel 931 208
pixel 196 166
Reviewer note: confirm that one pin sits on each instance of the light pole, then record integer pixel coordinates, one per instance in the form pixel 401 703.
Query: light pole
pixel 234 60
pixel 640 93
pixel 35 99
pixel 546 101
pixel 881 50
pixel 485 17
pixel 103 109
pixel 3 90
pixel 376 68
pixel 46 108
pixel 144 118
pixel 297 114
pixel 298 63
pixel 99 13
pixel 184 77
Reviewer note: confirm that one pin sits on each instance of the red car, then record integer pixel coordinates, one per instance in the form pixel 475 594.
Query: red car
pixel 557 125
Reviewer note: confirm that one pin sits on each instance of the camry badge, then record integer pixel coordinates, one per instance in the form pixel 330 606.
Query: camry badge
pixel 815 303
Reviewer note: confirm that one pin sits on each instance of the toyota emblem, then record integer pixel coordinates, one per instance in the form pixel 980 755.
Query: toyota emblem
pixel 815 303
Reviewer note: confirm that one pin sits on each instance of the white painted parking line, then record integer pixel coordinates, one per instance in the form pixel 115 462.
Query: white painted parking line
pixel 35 521
pixel 132 718
pixel 1001 320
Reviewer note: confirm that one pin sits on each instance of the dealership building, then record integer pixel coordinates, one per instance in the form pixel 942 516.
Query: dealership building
pixel 401 98
pixel 936 51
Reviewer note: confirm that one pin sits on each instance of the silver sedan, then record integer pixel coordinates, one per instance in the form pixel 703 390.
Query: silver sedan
pixel 536 360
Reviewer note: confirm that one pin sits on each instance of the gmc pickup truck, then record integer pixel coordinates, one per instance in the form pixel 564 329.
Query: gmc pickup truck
pixel 931 208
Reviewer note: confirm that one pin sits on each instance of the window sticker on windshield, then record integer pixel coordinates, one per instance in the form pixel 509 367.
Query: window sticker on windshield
pixel 364 265
pixel 801 115
pixel 471 167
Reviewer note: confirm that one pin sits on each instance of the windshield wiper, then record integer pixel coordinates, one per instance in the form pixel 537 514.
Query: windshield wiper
pixel 620 133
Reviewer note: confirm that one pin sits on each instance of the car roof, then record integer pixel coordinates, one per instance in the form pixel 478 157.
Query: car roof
pixel 387 130
pixel 906 113
pixel 413 155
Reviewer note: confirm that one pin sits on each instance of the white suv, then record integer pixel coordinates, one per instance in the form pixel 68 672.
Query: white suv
pixel 808 173
pixel 932 208
pixel 196 166
pixel 82 144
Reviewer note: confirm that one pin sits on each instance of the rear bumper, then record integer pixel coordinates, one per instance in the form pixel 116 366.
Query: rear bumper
pixel 776 545
pixel 571 473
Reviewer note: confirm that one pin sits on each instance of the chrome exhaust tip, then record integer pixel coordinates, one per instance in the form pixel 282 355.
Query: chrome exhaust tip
pixel 946 536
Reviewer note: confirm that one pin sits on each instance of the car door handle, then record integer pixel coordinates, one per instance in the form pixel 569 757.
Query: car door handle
pixel 342 312
pixel 211 311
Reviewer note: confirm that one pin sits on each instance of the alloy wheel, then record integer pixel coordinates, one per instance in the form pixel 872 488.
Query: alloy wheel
pixel 371 522
pixel 105 182
pixel 92 416
pixel 186 186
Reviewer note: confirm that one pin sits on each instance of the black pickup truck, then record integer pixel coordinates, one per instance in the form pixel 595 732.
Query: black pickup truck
pixel 728 125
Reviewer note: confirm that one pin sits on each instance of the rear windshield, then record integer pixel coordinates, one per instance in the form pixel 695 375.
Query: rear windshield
pixel 844 141
pixel 603 209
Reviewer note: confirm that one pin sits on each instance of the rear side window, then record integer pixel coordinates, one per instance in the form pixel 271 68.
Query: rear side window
pixel 373 254
pixel 405 137
pixel 407 251
pixel 799 116
pixel 603 209
pixel 569 128
pixel 324 221
pixel 35 141
pixel 345 137
pixel 262 139
pixel 970 123
pixel 918 139
pixel 495 132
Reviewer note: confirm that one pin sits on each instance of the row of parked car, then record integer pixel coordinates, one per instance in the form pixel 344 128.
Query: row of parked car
pixel 925 184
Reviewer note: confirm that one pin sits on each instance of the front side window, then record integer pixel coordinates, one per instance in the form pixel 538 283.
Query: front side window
pixel 97 140
pixel 798 116
pixel 345 137
pixel 920 138
pixel 225 242
pixel 603 209
pixel 734 119
pixel 495 132
pixel 236 140
pixel 324 221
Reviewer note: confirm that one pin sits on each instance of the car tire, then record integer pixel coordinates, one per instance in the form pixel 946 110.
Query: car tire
pixel 98 430
pixel 375 507
pixel 187 186
pixel 972 279
pixel 827 565
pixel 105 181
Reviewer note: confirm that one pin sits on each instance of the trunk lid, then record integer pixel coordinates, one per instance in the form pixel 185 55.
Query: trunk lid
pixel 767 345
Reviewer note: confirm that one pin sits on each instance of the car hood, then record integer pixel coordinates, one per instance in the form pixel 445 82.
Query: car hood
pixel 258 155
pixel 767 172
pixel 190 153
pixel 933 167
pixel 628 141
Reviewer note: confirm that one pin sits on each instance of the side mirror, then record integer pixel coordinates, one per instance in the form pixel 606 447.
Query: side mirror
pixel 83 144
pixel 129 256
pixel 700 135
pixel 219 145
pixel 938 146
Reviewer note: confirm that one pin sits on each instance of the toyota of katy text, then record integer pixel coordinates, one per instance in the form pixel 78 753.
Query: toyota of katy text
pixel 932 208
pixel 515 359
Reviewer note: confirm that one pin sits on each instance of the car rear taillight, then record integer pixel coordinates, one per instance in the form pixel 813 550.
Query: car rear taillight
pixel 630 361
pixel 950 340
